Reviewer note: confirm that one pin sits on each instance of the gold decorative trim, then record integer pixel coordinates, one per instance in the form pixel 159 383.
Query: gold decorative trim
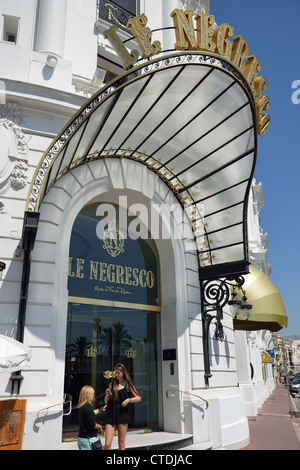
pixel 114 304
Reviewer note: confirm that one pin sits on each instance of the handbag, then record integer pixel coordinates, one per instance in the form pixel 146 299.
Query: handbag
pixel 97 445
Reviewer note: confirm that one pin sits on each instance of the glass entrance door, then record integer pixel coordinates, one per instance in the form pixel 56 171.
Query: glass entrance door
pixel 99 337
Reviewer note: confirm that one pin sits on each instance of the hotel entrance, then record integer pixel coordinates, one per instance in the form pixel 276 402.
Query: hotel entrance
pixel 113 314
pixel 100 337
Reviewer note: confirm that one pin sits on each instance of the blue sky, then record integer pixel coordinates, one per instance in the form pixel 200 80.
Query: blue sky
pixel 271 29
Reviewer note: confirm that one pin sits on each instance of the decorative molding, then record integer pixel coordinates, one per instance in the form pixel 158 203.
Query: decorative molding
pixel 88 87
pixel 11 112
pixel 13 151
pixel 196 6
pixel 258 198
pixel 18 178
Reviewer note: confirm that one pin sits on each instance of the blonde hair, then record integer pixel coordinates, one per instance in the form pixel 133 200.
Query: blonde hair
pixel 86 395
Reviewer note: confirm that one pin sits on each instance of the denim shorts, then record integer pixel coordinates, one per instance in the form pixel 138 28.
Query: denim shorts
pixel 84 442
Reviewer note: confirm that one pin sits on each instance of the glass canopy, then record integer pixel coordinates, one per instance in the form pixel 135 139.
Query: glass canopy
pixel 191 119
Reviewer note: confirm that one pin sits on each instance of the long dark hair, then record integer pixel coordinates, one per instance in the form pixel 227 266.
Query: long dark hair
pixel 129 384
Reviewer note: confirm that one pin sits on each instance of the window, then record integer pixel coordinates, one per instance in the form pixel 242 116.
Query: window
pixel 130 5
pixel 118 12
pixel 10 28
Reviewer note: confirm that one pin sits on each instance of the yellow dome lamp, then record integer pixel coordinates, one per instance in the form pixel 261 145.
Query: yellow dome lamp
pixel 267 312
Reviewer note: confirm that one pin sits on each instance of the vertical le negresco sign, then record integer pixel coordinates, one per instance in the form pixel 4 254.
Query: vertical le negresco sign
pixel 199 33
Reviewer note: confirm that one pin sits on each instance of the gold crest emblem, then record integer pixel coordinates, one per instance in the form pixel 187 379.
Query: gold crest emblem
pixel 113 239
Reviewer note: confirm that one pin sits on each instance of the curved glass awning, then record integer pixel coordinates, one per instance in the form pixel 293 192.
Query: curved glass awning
pixel 268 312
pixel 190 118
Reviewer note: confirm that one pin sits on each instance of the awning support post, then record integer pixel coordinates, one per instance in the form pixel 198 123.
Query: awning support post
pixel 30 226
pixel 214 296
pixel 219 334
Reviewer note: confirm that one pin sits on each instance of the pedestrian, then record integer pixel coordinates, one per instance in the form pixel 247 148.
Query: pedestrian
pixel 88 427
pixel 120 394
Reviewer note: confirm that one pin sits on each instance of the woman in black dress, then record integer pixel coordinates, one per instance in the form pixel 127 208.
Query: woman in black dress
pixel 119 395
pixel 88 427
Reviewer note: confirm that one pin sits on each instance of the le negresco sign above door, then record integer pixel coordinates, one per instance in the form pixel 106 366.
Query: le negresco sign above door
pixel 199 33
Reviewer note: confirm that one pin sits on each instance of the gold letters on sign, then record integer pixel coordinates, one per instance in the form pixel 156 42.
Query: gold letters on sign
pixel 200 36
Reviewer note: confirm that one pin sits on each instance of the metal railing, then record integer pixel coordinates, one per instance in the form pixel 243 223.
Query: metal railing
pixel 168 392
pixel 67 400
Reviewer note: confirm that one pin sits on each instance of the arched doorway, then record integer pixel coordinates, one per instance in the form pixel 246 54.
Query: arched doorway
pixel 113 310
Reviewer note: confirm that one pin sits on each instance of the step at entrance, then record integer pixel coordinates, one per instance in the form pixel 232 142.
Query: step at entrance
pixel 145 441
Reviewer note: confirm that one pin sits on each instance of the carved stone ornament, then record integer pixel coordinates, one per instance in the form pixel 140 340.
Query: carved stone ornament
pixel 18 178
pixel 13 151
pixel 196 5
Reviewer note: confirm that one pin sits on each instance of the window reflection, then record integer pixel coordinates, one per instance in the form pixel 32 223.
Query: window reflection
pixel 98 338
pixel 118 12
pixel 104 325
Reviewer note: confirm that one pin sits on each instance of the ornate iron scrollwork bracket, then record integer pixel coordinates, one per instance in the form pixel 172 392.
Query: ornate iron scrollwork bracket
pixel 214 296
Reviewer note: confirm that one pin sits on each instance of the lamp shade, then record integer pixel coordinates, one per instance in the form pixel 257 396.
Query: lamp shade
pixel 266 358
pixel 13 355
pixel 268 311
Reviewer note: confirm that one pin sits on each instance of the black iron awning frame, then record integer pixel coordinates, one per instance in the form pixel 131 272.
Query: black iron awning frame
pixel 53 164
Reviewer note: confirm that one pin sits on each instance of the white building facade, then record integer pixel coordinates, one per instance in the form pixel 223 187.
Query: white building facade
pixel 55 55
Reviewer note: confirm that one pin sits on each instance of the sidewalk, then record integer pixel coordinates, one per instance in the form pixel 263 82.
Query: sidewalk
pixel 274 428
